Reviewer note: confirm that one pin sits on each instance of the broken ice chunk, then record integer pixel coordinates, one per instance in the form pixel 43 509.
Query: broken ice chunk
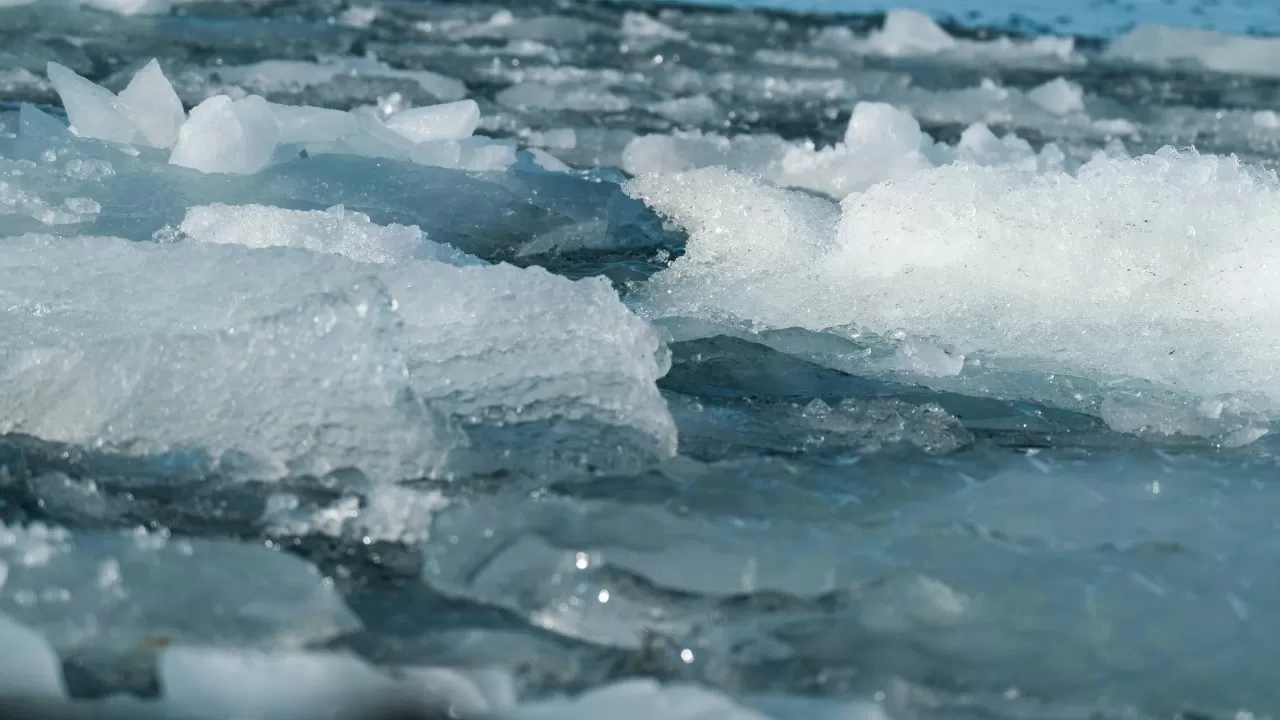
pixel 910 32
pixel 152 105
pixel 1059 96
pixel 450 121
pixel 204 383
pixel 216 684
pixel 29 667
pixel 924 358
pixel 93 111
pixel 641 699
pixel 126 591
pixel 227 136
pixel 885 127
pixel 336 230
pixel 303 124
pixel 147 112
pixel 390 513
pixel 274 362
pixel 273 76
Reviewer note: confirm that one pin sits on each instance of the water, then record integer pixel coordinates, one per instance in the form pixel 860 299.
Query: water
pixel 678 362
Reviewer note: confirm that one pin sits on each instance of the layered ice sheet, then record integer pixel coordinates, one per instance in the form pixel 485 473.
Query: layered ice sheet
pixel 1133 578
pixel 276 361
pixel 1142 275
pixel 138 591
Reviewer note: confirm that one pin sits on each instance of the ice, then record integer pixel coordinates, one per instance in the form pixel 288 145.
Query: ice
pixel 153 106
pixel 1212 50
pixel 881 142
pixel 964 254
pixel 215 684
pixel 30 667
pixel 910 33
pixel 15 200
pixel 385 513
pixel 638 699
pixel 336 230
pixel 244 136
pixel 695 110
pixel 227 136
pixel 544 96
pixel 272 76
pixel 640 25
pixel 384 364
pixel 907 32
pixel 147 112
pixel 450 121
pixel 1059 96
pixel 94 112
pixel 125 592
pixel 906 578
pixel 358 16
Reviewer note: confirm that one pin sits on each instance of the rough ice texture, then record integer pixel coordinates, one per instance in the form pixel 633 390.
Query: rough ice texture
pixel 160 350
pixel 336 230
pixel 1075 275
pixel 385 513
pixel 126 592
pixel 202 683
pixel 29 667
pixel 882 142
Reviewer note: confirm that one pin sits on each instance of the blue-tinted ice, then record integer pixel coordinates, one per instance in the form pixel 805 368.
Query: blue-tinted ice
pixel 547 360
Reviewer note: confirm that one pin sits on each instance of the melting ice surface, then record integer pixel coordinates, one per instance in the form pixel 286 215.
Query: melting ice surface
pixel 574 361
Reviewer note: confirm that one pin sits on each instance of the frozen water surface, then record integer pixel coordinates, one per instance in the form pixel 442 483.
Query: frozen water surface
pixel 587 360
